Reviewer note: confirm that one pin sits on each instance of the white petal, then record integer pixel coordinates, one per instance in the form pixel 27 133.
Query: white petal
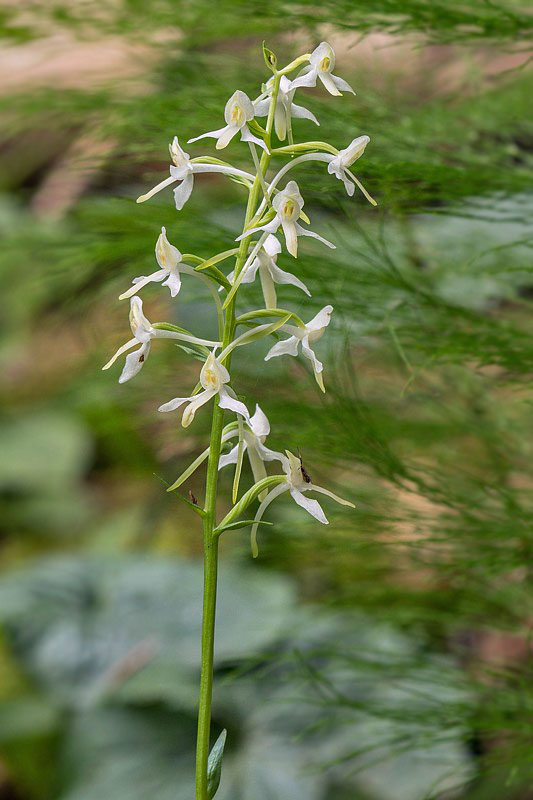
pixel 230 458
pixel 258 467
pixel 226 136
pixel 271 455
pixel 299 112
pixel 134 362
pixel 271 245
pixel 250 274
pixel 320 320
pixel 348 184
pixel 305 80
pixel 173 282
pixel 174 404
pixel 156 189
pixel 183 191
pixel 328 82
pixel 225 400
pixel 309 354
pixel 269 290
pixel 208 135
pixel 247 136
pixel 280 276
pixel 320 490
pixel 301 231
pixel 196 402
pixel 141 281
pixel 259 422
pixel 271 227
pixel 340 83
pixel 123 349
pixel 286 347
pixel 280 122
pixel 276 491
pixel 290 229
pixel 262 107
pixel 313 507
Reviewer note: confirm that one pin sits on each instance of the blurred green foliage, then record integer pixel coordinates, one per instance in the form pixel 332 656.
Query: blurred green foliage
pixel 385 656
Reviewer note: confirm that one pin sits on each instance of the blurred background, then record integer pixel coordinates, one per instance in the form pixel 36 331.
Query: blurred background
pixel 387 656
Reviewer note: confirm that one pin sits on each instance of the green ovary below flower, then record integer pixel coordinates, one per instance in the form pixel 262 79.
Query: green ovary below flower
pixel 213 377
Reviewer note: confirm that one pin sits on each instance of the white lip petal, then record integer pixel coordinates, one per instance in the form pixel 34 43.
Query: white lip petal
pixel 329 83
pixel 290 229
pixel 287 347
pixel 312 507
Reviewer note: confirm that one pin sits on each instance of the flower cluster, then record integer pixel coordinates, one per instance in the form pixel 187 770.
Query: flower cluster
pixel 275 220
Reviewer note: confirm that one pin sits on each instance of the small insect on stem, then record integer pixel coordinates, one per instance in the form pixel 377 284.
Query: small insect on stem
pixel 192 498
pixel 305 474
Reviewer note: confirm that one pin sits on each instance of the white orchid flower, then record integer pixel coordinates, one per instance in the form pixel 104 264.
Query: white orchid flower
pixel 321 65
pixel 304 336
pixel 269 272
pixel 288 205
pixel 254 438
pixel 169 259
pixel 143 333
pixel 285 108
pixel 238 112
pixel 297 482
pixel 182 170
pixel 339 164
pixel 213 378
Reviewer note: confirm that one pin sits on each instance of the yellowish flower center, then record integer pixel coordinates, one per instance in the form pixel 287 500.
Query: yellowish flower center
pixel 288 209
pixel 210 379
pixel 237 115
pixel 325 64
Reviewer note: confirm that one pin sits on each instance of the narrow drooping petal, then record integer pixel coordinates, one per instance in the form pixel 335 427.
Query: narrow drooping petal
pixel 280 276
pixel 120 351
pixel 312 507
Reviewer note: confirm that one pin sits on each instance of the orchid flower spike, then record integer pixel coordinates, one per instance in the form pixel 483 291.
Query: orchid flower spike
pixel 258 428
pixel 288 205
pixel 297 482
pixel 182 170
pixel 322 63
pixel 213 377
pixel 169 259
pixel 306 336
pixel 339 164
pixel 143 333
pixel 269 272
pixel 238 112
pixel 285 108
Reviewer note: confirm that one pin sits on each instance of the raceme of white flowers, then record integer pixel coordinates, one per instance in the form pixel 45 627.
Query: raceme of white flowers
pixel 273 225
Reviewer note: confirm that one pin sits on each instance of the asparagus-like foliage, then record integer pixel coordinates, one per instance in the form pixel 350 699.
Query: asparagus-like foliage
pixel 272 211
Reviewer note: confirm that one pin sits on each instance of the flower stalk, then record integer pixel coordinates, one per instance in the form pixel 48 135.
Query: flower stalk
pixel 269 211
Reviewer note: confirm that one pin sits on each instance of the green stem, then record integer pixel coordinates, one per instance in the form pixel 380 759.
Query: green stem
pixel 210 540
